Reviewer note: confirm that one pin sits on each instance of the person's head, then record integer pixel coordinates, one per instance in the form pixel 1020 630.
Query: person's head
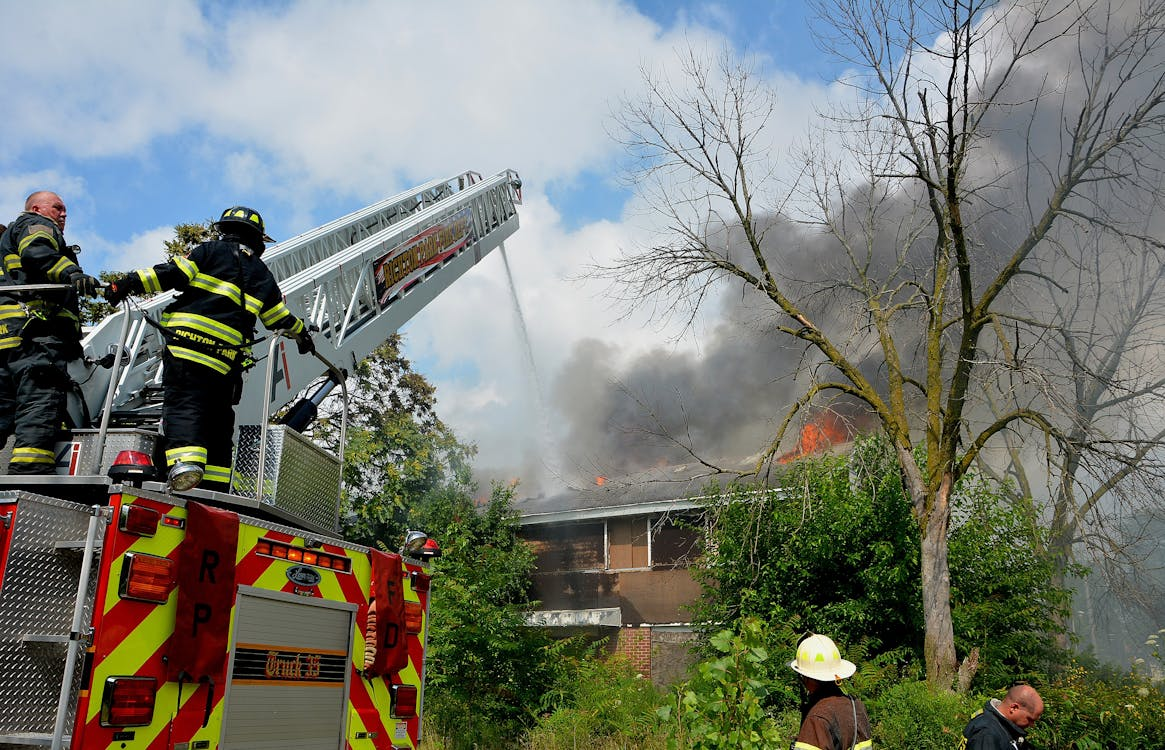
pixel 245 225
pixel 818 661
pixel 49 205
pixel 1022 706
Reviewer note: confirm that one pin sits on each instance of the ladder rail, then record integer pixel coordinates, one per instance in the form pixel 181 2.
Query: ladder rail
pixel 96 515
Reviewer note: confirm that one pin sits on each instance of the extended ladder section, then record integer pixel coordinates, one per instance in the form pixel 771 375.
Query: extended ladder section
pixel 357 280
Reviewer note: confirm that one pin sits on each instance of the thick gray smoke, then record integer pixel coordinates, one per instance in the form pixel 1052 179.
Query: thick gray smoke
pixel 725 403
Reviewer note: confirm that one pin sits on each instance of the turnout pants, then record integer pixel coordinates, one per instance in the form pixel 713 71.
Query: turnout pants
pixel 38 371
pixel 198 418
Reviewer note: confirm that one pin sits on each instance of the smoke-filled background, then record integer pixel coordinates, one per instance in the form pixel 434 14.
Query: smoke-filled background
pixel 1076 338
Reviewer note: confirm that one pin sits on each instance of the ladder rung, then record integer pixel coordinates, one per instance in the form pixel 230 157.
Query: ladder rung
pixel 73 545
pixel 44 638
pixel 32 739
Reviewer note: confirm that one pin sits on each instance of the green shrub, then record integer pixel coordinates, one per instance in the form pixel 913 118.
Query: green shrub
pixel 910 715
pixel 598 700
pixel 1086 710
pixel 722 706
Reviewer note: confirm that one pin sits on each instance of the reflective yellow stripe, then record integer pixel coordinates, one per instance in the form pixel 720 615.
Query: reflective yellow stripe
pixel 190 355
pixel 273 314
pixel 62 267
pixel 253 304
pixel 864 745
pixel 12 263
pixel 217 286
pixel 10 342
pixel 193 454
pixel 33 233
pixel 33 456
pixel 211 327
pixel 217 474
pixel 11 311
pixel 186 266
pixel 149 279
pixel 804 746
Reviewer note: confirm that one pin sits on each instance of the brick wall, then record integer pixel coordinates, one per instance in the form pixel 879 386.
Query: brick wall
pixel 635 644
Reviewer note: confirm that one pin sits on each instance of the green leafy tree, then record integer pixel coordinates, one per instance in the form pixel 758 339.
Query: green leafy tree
pixel 835 548
pixel 399 453
pixel 486 669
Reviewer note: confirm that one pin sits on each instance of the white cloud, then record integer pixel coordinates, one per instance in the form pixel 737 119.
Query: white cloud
pixel 143 250
pixel 304 101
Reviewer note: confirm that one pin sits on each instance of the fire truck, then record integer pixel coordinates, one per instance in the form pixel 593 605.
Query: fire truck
pixel 139 617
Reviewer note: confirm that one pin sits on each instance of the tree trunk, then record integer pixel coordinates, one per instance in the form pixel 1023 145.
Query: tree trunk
pixel 934 517
pixel 939 645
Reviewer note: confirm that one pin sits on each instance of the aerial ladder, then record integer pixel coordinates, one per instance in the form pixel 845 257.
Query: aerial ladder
pixel 355 281
pixel 136 617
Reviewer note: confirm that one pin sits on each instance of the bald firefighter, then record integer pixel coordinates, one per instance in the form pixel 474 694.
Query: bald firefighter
pixel 40 332
pixel 209 328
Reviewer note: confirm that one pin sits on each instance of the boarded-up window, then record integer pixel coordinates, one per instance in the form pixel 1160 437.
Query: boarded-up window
pixel 628 538
pixel 676 543
pixel 573 546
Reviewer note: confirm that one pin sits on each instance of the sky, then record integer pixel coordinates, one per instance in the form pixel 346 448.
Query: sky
pixel 146 115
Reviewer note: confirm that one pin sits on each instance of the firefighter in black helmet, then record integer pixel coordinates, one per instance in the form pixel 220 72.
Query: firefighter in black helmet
pixel 209 328
pixel 40 331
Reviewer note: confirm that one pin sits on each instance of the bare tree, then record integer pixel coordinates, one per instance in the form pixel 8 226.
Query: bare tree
pixel 1098 374
pixel 982 136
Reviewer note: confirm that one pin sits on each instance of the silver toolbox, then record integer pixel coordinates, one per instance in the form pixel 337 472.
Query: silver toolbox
pixel 299 477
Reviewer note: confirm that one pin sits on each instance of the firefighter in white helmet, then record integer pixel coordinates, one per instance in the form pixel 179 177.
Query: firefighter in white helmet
pixel 830 719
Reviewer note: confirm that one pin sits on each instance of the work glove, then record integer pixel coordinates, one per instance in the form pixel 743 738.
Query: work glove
pixel 304 343
pixel 85 284
pixel 120 288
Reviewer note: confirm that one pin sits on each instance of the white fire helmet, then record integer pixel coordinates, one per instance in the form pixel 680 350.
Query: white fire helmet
pixel 818 658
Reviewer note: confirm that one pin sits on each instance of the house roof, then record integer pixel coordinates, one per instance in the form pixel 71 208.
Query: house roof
pixel 672 488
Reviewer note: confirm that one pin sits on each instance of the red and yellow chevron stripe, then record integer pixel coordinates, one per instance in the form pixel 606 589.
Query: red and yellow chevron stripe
pixel 134 638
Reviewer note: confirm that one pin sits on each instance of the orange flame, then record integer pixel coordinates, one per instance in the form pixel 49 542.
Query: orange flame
pixel 600 481
pixel 826 430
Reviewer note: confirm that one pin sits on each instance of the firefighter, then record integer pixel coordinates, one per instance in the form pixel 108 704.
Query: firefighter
pixel 830 719
pixel 209 328
pixel 1003 724
pixel 40 332
pixel 7 394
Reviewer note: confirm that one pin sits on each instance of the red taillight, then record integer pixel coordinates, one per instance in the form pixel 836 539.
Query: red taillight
pixel 430 550
pixel 138 519
pixel 414 617
pixel 419 580
pixel 146 578
pixel 128 701
pixel 404 701
pixel 132 466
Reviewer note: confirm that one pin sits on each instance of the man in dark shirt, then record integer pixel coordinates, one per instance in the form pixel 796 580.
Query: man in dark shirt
pixel 830 719
pixel 1003 724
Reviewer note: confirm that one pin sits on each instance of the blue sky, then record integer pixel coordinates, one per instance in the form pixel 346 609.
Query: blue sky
pixel 144 115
